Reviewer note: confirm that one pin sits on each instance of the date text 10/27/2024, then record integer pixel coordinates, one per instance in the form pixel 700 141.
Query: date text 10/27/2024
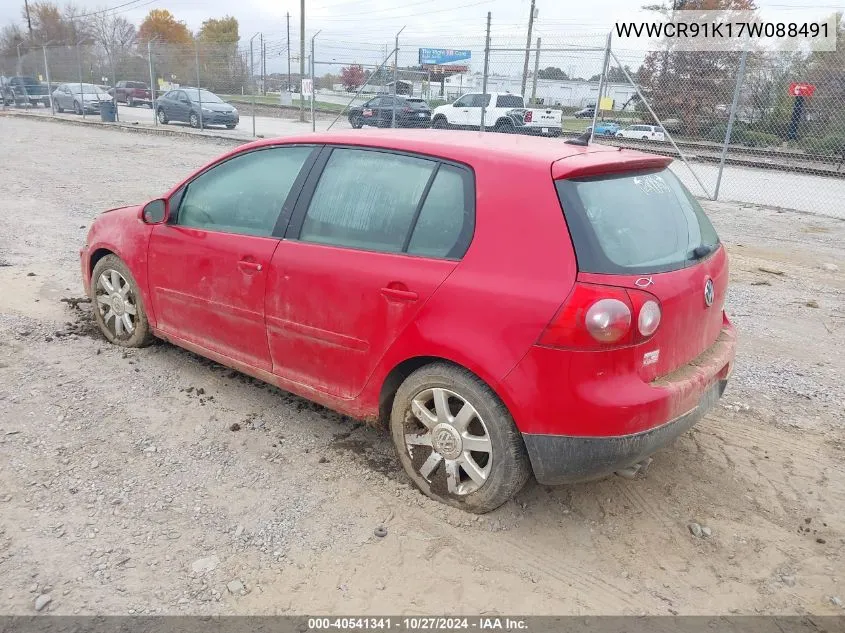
pixel 417 623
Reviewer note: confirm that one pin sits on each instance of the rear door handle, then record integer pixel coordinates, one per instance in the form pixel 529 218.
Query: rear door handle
pixel 248 266
pixel 399 295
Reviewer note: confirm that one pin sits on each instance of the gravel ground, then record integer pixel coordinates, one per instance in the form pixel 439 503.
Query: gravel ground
pixel 154 481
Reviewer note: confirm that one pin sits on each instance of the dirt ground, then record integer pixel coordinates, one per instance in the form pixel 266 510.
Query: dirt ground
pixel 148 481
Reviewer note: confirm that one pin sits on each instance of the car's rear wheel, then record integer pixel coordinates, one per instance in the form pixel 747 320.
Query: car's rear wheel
pixel 645 138
pixel 231 126
pixel 59 108
pixel 162 117
pixel 118 307
pixel 356 122
pixel 77 108
pixel 439 123
pixel 130 102
pixel 194 120
pixel 456 440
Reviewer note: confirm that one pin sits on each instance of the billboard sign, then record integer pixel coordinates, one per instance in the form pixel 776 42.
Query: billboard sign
pixel 439 56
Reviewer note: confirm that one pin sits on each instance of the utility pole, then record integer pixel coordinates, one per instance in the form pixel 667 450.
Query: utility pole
pixel 527 48
pixel 395 78
pixel 536 71
pixel 301 58
pixel 28 20
pixel 289 51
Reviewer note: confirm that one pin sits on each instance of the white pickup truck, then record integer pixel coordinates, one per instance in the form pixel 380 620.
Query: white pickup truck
pixel 503 112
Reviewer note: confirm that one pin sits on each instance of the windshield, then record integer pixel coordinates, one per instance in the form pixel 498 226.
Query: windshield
pixel 204 95
pixel 635 223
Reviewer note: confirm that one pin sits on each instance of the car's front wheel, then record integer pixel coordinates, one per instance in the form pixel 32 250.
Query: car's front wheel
pixel 456 440
pixel 77 107
pixel 130 102
pixel 194 120
pixel 356 122
pixel 118 307
pixel 162 117
pixel 439 123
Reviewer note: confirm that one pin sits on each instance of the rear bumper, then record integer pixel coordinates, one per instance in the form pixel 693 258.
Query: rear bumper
pixel 559 459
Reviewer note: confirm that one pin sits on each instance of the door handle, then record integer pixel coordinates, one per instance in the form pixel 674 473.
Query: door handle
pixel 399 295
pixel 248 266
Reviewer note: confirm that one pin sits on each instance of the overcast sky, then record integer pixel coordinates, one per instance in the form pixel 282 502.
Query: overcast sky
pixel 360 30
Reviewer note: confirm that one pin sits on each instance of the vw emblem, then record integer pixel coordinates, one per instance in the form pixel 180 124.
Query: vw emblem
pixel 709 292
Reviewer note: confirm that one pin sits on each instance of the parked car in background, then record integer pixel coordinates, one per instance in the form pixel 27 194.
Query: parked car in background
pixel 366 272
pixel 378 112
pixel 643 132
pixel 605 128
pixel 586 113
pixel 196 108
pixel 503 112
pixel 132 93
pixel 30 90
pixel 80 98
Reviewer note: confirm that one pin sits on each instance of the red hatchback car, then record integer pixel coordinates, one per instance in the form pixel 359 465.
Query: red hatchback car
pixel 506 305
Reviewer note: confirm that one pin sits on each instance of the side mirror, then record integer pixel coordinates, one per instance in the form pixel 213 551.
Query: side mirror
pixel 155 212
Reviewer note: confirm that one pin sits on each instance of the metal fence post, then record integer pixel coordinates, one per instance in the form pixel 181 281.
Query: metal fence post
pixel 601 85
pixel 152 83
pixel 536 70
pixel 49 86
pixel 395 77
pixel 199 85
pixel 79 68
pixel 657 119
pixel 737 89
pixel 313 86
pixel 252 83
pixel 486 72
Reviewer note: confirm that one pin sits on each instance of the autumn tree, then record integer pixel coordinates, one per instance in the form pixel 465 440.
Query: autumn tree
pixel 689 85
pixel 49 24
pixel 161 26
pixel 220 65
pixel 352 77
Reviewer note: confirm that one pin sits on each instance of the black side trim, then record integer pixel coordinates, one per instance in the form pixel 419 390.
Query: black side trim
pixel 561 459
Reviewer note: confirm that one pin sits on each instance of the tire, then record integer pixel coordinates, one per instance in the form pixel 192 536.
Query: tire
pixel 356 122
pixel 619 135
pixel 439 123
pixel 645 138
pixel 59 108
pixel 194 120
pixel 111 302
pixel 489 423
pixel 46 102
pixel 162 117
pixel 130 102
pixel 77 109
pixel 504 127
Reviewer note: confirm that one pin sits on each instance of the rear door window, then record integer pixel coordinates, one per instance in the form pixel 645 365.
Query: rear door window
pixel 509 101
pixel 366 200
pixel 447 218
pixel 635 223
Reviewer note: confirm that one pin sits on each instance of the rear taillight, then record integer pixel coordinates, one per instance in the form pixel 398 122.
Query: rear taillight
pixel 529 116
pixel 600 317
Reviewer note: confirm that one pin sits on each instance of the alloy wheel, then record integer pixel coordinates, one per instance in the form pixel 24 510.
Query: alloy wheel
pixel 117 303
pixel 448 442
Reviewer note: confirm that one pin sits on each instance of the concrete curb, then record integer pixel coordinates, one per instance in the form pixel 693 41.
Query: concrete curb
pixel 134 128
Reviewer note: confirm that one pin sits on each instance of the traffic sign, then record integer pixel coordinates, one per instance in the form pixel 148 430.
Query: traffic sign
pixel 801 90
pixel 307 88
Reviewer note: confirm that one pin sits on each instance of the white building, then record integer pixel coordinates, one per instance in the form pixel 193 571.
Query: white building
pixel 571 93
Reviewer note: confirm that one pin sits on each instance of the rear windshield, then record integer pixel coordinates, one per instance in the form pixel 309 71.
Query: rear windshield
pixel 635 223
pixel 509 101
pixel 416 103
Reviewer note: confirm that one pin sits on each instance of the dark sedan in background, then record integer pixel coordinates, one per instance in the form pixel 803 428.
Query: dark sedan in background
pixel 378 112
pixel 197 108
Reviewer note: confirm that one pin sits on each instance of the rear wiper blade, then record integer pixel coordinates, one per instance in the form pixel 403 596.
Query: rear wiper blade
pixel 702 250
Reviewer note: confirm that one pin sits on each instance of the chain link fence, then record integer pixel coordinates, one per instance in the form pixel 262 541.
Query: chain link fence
pixel 755 126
